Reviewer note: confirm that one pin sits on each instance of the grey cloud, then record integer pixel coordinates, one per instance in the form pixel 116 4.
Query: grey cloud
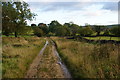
pixel 113 6
pixel 62 6
pixel 71 6
pixel 54 6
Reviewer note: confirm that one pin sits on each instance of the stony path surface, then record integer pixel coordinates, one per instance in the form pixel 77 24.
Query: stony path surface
pixel 48 64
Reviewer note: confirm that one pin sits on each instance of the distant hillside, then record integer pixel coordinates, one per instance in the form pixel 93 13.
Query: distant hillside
pixel 103 25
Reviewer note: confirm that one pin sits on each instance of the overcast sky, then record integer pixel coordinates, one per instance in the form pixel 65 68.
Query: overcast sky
pixel 79 12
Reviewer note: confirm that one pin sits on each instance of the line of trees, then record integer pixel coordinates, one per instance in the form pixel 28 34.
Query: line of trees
pixel 16 14
pixel 57 29
pixel 71 29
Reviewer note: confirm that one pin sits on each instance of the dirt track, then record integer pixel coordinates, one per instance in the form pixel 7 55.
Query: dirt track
pixel 33 67
pixel 48 64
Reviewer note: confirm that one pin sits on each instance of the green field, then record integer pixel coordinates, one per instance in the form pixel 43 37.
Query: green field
pixel 103 38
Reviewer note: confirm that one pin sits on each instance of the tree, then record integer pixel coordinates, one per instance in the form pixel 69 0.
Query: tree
pixel 33 25
pixel 67 30
pixel 27 30
pixel 38 32
pixel 106 32
pixel 98 29
pixel 61 31
pixel 67 24
pixel 74 28
pixel 53 26
pixel 44 28
pixel 115 30
pixel 7 24
pixel 86 31
pixel 17 13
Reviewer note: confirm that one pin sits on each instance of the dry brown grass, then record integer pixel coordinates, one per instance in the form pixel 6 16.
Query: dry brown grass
pixel 86 60
pixel 18 54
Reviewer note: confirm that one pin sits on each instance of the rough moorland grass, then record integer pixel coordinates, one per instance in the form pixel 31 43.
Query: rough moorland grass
pixel 18 54
pixel 18 36
pixel 103 38
pixel 88 60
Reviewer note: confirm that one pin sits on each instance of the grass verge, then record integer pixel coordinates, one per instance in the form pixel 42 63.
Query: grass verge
pixel 18 54
pixel 86 60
